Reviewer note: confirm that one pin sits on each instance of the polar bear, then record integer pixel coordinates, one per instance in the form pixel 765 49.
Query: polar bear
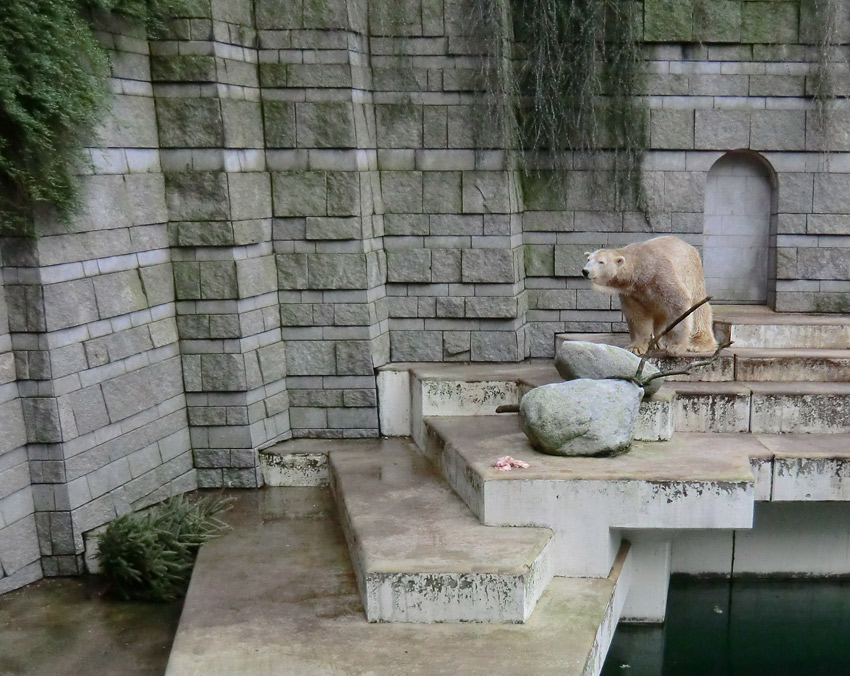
pixel 657 281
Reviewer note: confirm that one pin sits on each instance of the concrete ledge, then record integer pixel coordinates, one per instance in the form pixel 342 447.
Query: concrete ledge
pixel 419 555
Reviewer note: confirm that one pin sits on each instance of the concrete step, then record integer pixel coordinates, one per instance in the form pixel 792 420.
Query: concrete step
pixel 304 462
pixel 691 481
pixel 760 407
pixel 757 326
pixel 290 607
pixel 408 393
pixel 420 555
pixel 744 363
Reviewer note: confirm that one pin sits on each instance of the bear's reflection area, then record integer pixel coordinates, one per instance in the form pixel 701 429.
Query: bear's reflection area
pixel 743 627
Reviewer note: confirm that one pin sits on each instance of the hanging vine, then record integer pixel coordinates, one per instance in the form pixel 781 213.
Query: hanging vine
pixel 825 19
pixel 564 81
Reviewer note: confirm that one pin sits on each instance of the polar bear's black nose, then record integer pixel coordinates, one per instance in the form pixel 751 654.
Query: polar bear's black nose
pixel 585 272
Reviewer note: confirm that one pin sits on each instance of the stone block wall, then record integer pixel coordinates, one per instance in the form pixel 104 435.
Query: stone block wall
pixel 91 316
pixel 20 557
pixel 327 211
pixel 291 194
pixel 721 76
pixel 219 201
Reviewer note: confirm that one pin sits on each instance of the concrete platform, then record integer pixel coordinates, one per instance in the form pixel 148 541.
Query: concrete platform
pixel 277 596
pixel 692 481
pixel 744 363
pixel 418 552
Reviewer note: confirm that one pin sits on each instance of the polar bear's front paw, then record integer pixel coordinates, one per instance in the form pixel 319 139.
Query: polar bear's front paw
pixel 638 348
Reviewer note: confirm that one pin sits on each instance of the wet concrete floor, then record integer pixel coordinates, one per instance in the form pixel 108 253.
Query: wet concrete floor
pixel 63 627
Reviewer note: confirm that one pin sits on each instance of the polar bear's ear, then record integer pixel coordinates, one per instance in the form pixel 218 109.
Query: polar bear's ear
pixel 587 254
pixel 619 260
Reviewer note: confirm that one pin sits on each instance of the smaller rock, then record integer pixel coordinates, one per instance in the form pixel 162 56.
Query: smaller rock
pixel 581 417
pixel 580 359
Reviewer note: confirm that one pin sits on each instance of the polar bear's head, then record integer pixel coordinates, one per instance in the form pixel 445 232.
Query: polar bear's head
pixel 602 266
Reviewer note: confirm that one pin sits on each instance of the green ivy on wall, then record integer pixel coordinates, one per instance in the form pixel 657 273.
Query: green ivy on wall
pixel 53 93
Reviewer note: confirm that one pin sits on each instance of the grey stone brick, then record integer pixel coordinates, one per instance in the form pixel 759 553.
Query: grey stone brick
pixel 488 265
pixel 138 390
pixel 119 293
pixel 336 271
pixel 255 276
pixel 67 304
pixel 279 121
pixel 41 415
pixel 570 259
pixel 353 314
pixel 344 193
pixel 672 129
pixel 325 125
pixel 242 122
pixel 158 283
pixel 187 280
pixel 416 345
pixel 486 192
pixel 272 362
pixel 494 346
pixel 491 307
pixel 795 192
pixel 196 196
pixel 721 129
pixel 310 358
pixel 401 191
pixel 300 193
pixel 18 546
pixel 832 193
pixel 399 125
pixel 828 224
pixel 190 122
pixel 406 224
pixel 445 265
pixel 352 418
pixel 132 123
pixel 327 228
pixel 146 196
pixel 769 22
pixel 292 271
pixel 316 398
pixel 250 195
pixel 451 307
pixel 442 192
pixel 403 307
pixel 308 418
pixel 242 478
pixel 778 130
pixel 223 372
pixel 456 343
pixel 354 358
pixel 539 260
pixel 409 265
pixel 823 263
pixel 684 191
pixel 218 279
pixel 360 398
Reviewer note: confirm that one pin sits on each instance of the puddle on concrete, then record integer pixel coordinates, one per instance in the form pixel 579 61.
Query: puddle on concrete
pixel 748 627
pixel 62 626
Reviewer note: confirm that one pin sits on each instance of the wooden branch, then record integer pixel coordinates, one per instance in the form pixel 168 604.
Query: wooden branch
pixel 691 367
pixel 508 408
pixel 653 343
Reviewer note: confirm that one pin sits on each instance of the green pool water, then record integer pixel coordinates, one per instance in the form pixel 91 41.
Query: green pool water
pixel 744 627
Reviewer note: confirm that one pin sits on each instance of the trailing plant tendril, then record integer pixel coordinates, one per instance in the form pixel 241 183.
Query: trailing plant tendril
pixel 564 82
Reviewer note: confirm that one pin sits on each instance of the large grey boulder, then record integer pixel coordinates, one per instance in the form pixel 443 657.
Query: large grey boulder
pixel 580 359
pixel 581 417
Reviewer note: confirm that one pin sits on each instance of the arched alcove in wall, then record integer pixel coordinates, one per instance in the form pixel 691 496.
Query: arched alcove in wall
pixel 736 244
